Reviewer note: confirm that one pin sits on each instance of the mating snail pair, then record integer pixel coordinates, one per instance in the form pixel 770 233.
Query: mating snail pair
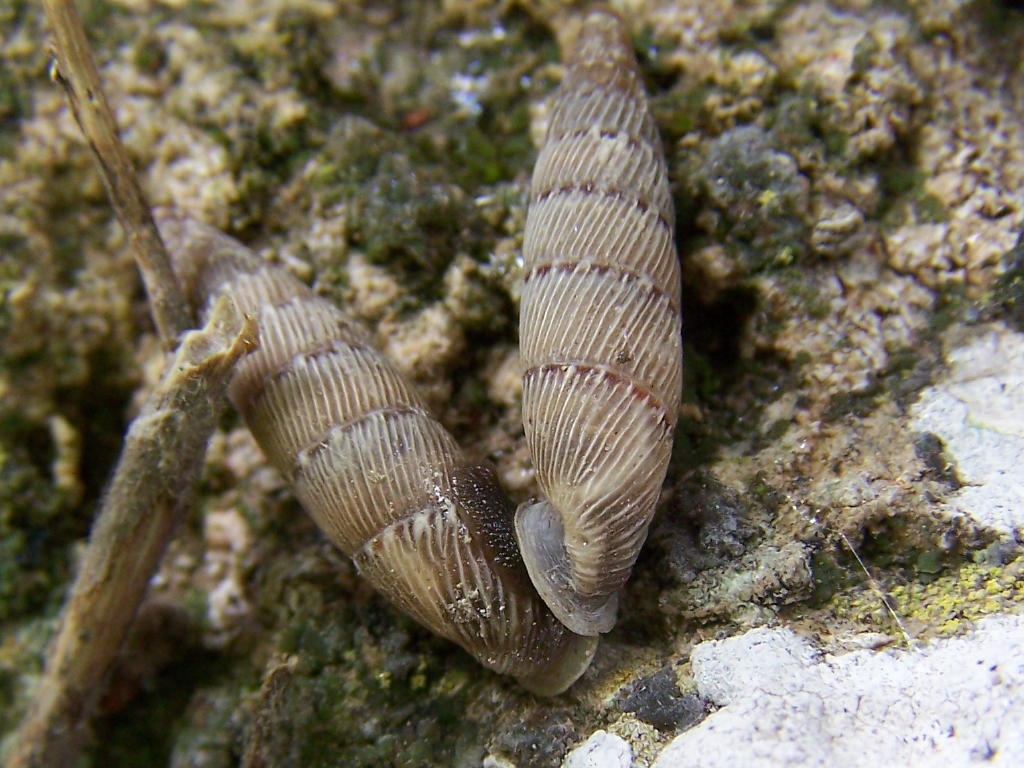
pixel 525 592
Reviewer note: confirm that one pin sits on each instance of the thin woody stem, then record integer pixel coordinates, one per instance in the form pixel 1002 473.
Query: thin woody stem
pixel 157 473
pixel 76 72
pixel 154 483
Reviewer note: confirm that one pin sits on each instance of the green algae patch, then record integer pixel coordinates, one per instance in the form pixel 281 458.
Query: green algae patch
pixel 829 578
pixel 909 371
pixel 1008 289
pixel 370 685
pixel 36 523
pixel 408 221
pixel 179 710
pixel 20 665
pixel 757 199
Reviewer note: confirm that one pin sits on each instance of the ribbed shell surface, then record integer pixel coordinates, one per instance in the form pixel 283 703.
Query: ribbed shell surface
pixel 600 331
pixel 382 478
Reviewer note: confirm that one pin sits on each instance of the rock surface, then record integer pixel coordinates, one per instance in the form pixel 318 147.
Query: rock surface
pixel 953 702
pixel 601 750
pixel 849 184
pixel 977 410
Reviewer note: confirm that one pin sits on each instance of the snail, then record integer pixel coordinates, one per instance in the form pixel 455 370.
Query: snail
pixel 600 332
pixel 527 591
pixel 382 478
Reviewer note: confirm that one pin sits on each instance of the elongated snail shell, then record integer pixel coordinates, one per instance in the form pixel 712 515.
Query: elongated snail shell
pixel 381 477
pixel 600 332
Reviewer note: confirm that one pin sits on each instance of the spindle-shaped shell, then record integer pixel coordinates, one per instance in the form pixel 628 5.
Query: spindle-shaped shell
pixel 600 332
pixel 382 478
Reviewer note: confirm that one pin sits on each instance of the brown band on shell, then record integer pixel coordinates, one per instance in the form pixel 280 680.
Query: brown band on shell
pixel 592 190
pixel 609 231
pixel 613 271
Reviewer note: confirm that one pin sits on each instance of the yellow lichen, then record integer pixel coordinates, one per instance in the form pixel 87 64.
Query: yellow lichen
pixel 946 606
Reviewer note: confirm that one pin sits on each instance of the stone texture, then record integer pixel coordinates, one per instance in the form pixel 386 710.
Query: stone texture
pixel 954 702
pixel 601 750
pixel 977 409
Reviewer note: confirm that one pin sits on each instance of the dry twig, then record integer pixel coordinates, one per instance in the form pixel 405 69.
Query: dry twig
pixel 153 484
pixel 157 473
pixel 76 72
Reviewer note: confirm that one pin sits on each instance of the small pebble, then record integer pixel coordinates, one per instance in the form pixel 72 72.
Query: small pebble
pixel 601 750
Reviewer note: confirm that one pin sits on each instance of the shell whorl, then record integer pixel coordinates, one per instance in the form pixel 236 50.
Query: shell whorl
pixel 600 332
pixel 381 477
